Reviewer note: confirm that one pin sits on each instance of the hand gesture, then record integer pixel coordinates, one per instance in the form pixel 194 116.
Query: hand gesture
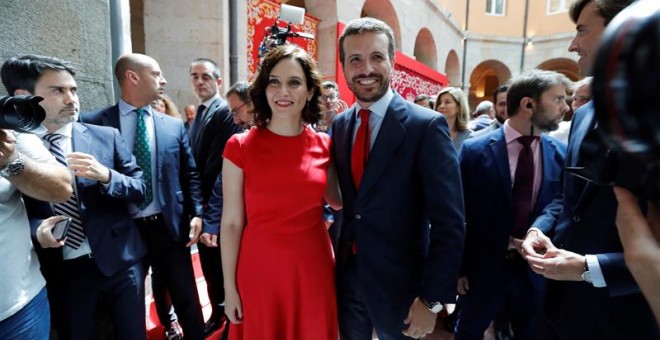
pixel 86 166
pixel 7 147
pixel 195 230
pixel 420 320
pixel 210 240
pixel 45 232
pixel 233 307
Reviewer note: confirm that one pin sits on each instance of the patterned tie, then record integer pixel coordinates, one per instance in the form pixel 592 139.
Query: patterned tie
pixel 195 125
pixel 361 148
pixel 76 234
pixel 142 153
pixel 523 188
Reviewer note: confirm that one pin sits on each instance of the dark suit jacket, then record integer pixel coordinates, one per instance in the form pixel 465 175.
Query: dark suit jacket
pixel 487 190
pixel 112 234
pixel 212 135
pixel 411 178
pixel 178 178
pixel 581 219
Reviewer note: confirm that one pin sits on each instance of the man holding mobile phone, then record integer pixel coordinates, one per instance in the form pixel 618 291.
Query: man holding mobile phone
pixel 103 251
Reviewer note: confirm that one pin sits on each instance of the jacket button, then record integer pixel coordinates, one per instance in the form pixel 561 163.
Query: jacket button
pixel 576 219
pixel 358 216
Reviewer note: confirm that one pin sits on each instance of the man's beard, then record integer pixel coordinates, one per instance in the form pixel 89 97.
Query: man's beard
pixel 542 122
pixel 385 86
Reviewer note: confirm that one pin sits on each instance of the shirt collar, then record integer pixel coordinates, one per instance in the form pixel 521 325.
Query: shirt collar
pixel 511 134
pixel 379 107
pixel 208 103
pixel 126 108
pixel 66 131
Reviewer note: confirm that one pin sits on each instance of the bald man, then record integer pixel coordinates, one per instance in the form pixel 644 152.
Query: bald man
pixel 169 219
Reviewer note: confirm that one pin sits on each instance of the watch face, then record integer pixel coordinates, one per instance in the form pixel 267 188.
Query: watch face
pixel 436 307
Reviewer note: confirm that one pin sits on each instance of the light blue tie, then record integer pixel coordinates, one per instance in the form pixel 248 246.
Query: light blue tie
pixel 142 153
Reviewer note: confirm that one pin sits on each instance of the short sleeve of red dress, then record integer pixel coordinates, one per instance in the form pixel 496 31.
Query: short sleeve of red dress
pixel 232 150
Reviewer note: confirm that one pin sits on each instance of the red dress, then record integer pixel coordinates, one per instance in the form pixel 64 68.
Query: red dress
pixel 285 269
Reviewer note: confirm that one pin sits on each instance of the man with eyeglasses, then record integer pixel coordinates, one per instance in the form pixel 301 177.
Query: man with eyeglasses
pixel 331 104
pixel 240 104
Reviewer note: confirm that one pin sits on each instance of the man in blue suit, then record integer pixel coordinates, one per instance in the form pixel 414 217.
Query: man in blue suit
pixel 397 173
pixel 591 293
pixel 102 252
pixel 494 275
pixel 170 219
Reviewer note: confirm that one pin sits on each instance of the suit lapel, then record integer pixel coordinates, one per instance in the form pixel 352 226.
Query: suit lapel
pixel 158 132
pixel 344 146
pixel 584 123
pixel 203 123
pixel 81 141
pixel 501 156
pixel 388 140
pixel 548 154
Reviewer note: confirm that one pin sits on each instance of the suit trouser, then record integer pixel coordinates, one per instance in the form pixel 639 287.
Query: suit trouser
pixel 212 269
pixel 357 319
pixel 512 290
pixel 84 285
pixel 172 270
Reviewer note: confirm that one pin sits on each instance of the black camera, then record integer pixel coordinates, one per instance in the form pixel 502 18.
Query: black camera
pixel 624 147
pixel 22 114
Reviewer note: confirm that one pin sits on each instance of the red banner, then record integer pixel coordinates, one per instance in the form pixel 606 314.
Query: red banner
pixel 261 15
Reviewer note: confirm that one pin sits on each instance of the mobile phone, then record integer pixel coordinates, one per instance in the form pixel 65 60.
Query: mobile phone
pixel 61 228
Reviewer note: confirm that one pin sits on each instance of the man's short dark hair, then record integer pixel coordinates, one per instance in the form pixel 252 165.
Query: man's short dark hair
pixel 242 90
pixel 498 90
pixel 24 71
pixel 607 9
pixel 532 84
pixel 214 66
pixel 421 97
pixel 329 84
pixel 365 25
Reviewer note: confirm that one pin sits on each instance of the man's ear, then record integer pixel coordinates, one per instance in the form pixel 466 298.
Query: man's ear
pixel 219 82
pixel 22 92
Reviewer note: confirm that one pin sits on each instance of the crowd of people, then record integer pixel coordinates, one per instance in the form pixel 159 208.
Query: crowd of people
pixel 315 220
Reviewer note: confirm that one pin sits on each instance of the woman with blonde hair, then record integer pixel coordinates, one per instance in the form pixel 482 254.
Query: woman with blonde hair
pixel 452 103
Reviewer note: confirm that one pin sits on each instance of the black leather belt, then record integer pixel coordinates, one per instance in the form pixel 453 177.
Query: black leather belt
pixel 149 219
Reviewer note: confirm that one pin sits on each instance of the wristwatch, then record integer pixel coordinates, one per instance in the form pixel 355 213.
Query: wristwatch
pixel 14 167
pixel 434 307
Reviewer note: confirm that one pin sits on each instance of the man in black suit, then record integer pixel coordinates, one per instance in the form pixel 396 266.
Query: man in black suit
pixel 170 217
pixel 394 273
pixel 103 251
pixel 209 132
pixel 591 293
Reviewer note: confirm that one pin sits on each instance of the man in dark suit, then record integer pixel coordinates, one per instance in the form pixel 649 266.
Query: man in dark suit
pixel 170 219
pixel 499 105
pixel 591 293
pixel 494 275
pixel 209 132
pixel 397 173
pixel 102 252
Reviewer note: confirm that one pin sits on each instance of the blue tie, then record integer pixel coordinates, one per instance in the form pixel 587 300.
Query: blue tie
pixel 142 153
pixel 76 234
pixel 195 125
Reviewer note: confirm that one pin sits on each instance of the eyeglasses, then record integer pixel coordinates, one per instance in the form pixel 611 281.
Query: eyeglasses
pixel 327 98
pixel 233 112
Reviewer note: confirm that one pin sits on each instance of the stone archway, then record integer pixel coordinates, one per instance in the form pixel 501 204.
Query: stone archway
pixel 567 67
pixel 383 10
pixel 485 78
pixel 425 50
pixel 453 69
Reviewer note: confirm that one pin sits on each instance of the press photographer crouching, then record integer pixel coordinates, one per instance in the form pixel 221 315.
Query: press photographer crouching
pixel 26 168
pixel 624 150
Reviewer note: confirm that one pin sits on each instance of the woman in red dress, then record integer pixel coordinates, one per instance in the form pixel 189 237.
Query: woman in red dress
pixel 276 254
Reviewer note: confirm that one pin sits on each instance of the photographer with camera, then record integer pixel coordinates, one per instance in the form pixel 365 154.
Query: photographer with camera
pixel 591 293
pixel 26 167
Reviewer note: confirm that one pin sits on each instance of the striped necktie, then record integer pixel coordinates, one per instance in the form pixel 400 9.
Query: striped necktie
pixel 76 234
pixel 142 152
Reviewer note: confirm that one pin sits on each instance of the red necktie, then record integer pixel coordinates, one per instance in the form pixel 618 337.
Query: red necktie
pixel 523 187
pixel 360 148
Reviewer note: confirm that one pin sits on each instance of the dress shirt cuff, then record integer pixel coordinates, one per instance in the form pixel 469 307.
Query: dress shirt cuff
pixel 598 280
